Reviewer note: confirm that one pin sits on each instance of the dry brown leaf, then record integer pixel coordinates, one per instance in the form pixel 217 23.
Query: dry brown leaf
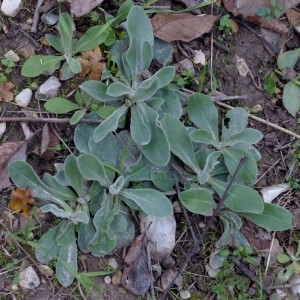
pixel 10 151
pixel 5 93
pixel 137 277
pixel 246 9
pixel 92 64
pixel 82 7
pixel 49 141
pixel 293 17
pixel 181 27
pixel 21 199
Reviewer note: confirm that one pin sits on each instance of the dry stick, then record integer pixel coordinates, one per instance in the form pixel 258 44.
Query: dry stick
pixel 264 122
pixel 46 120
pixel 205 231
pixel 245 269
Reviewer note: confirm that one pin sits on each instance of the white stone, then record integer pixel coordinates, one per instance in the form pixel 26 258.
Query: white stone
pixel 24 97
pixel 185 294
pixel 107 279
pixel 49 89
pixel 113 263
pixel 15 57
pixel 295 283
pixel 269 193
pixel 2 129
pixel 11 7
pixel 29 279
pixel 45 270
pixel 160 232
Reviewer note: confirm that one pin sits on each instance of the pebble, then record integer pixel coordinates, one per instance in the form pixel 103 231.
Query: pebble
pixel 107 279
pixel 49 89
pixel 13 55
pixel 29 279
pixel 116 279
pixel 11 7
pixel 185 294
pixel 24 97
pixel 2 129
pixel 112 263
pixel 45 270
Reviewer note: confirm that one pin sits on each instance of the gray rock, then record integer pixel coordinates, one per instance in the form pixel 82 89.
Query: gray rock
pixel 11 7
pixel 24 97
pixel 29 279
pixel 160 234
pixel 49 89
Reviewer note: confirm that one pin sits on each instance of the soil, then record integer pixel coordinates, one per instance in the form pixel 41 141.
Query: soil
pixel 276 149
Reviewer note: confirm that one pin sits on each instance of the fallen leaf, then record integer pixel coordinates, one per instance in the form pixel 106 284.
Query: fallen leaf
pixel 269 193
pixel 137 277
pixel 246 9
pixel 183 27
pixel 10 151
pixel 5 93
pixel 293 17
pixel 49 141
pixel 21 199
pixel 92 64
pixel 82 7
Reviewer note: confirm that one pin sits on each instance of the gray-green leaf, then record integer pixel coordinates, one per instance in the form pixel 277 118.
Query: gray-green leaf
pixel 59 105
pixel 199 201
pixel 291 97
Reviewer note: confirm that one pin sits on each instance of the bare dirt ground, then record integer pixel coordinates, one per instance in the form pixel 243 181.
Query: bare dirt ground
pixel 276 149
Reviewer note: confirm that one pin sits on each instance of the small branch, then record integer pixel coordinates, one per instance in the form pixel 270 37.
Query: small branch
pixel 210 223
pixel 245 269
pixel 45 120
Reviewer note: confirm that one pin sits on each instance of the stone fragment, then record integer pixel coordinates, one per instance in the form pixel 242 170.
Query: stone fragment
pixel 2 129
pixel 24 97
pixel 11 7
pixel 107 279
pixel 185 294
pixel 13 55
pixel 116 279
pixel 167 278
pixel 29 279
pixel 49 89
pixel 45 270
pixel 112 263
pixel 160 232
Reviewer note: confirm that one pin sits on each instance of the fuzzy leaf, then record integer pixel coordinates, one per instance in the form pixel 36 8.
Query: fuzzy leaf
pixel 60 105
pixel 37 64
pixel 92 169
pixel 202 136
pixel 55 42
pixel 58 212
pixel 65 28
pixel 204 114
pixel 273 218
pixel 110 124
pixel 66 265
pixel 139 125
pixel 118 89
pixel 77 116
pixel 139 54
pixel 74 65
pixel 150 201
pixel 199 201
pixel 145 90
pixel 48 249
pixel 288 59
pixel 248 135
pixel 158 149
pixel 97 90
pixel 291 98
pixel 85 235
pixel 240 198
pixel 176 131
pixel 24 176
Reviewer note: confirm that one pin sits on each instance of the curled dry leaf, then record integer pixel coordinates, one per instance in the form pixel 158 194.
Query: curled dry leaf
pixel 247 9
pixel 21 199
pixel 49 141
pixel 10 151
pixel 137 277
pixel 92 64
pixel 5 93
pixel 81 7
pixel 181 27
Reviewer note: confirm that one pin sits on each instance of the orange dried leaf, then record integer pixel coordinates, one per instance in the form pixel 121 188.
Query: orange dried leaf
pixel 5 93
pixel 21 199
pixel 92 64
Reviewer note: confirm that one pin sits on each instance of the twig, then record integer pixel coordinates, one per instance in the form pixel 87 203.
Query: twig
pixel 36 16
pixel 244 268
pixel 210 223
pixel 46 120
